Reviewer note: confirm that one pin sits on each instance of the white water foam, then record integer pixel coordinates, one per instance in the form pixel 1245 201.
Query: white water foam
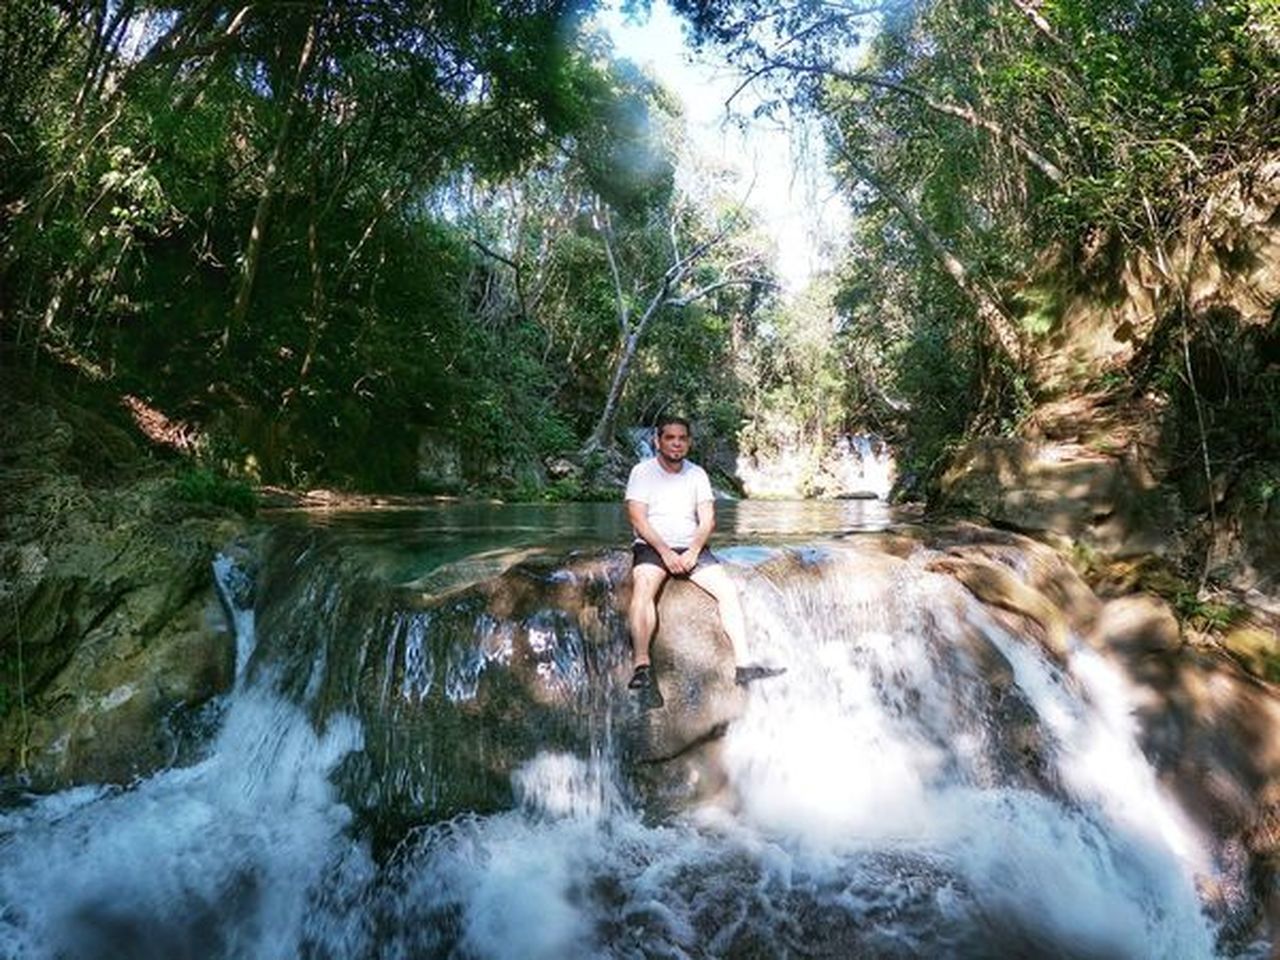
pixel 231 582
pixel 836 756
pixel 211 860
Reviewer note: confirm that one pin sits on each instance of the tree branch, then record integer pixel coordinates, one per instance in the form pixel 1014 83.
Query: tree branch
pixel 961 111
pixel 601 220
pixel 713 287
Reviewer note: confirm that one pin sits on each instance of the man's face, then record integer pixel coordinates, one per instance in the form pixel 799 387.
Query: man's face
pixel 673 442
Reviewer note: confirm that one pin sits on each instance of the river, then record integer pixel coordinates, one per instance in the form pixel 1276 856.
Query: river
pixel 874 803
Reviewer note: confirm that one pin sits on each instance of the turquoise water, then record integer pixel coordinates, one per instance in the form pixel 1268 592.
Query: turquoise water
pixel 407 544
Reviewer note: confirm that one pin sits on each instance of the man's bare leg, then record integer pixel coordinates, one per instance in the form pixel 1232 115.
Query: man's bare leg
pixel 642 615
pixel 716 582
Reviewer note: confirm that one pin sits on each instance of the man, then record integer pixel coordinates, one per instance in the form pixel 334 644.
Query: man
pixel 671 509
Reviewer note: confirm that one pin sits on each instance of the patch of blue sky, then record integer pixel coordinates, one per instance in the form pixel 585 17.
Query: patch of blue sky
pixel 776 164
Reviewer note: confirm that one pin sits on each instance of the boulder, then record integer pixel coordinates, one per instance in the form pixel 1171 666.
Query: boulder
pixel 1136 625
pixel 1105 501
pixel 694 670
pixel 110 633
pixel 458 685
pixel 1257 649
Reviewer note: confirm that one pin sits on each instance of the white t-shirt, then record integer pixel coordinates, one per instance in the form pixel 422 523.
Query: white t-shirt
pixel 672 498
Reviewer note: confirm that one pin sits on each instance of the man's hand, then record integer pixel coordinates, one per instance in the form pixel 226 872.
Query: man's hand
pixel 682 562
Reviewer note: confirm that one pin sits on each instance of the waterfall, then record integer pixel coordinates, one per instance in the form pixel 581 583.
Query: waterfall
pixel 213 860
pixel 642 442
pixel 864 466
pixel 403 774
pixel 234 586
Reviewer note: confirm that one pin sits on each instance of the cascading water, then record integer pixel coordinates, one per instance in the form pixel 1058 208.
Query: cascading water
pixel 864 465
pixel 920 783
pixel 214 860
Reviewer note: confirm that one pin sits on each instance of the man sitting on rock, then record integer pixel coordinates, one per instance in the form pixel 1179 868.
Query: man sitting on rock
pixel 671 509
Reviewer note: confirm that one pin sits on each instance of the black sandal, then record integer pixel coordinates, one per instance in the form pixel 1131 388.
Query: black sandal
pixel 646 688
pixel 755 671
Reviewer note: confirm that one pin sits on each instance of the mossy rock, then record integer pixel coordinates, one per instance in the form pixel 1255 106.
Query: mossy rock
pixel 108 623
pixel 1257 650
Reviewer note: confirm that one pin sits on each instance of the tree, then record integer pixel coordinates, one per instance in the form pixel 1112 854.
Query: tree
pixel 1003 129
pixel 692 274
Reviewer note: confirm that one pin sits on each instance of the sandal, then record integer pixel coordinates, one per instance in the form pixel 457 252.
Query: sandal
pixel 755 671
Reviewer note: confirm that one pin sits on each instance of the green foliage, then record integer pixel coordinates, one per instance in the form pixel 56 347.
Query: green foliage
pixel 796 385
pixel 1042 308
pixel 975 137
pixel 1262 488
pixel 1223 392
pixel 204 486
pixel 1208 616
pixel 317 231
pixel 262 231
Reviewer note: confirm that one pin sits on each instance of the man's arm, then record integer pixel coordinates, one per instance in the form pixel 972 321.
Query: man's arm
pixel 638 514
pixel 706 526
pixel 687 559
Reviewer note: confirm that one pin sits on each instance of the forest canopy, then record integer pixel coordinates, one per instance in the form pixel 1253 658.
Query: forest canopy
pixel 318 232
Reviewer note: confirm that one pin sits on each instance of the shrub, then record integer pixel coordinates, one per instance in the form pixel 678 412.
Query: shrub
pixel 203 486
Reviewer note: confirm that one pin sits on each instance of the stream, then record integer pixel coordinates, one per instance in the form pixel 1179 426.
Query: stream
pixel 379 785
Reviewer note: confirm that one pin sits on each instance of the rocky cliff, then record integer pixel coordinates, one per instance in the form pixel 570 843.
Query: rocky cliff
pixel 1156 431
pixel 111 637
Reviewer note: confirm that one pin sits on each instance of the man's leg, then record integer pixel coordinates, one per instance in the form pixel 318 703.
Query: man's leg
pixel 713 579
pixel 642 616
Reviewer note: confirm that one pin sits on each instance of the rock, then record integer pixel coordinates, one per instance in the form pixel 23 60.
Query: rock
pixel 693 667
pixel 462 690
pixel 1257 650
pixel 1041 567
pixel 109 629
pixel 439 462
pixel 115 702
pixel 1100 500
pixel 458 688
pixel 1247 539
pixel 1137 625
pixel 562 468
pixel 998 587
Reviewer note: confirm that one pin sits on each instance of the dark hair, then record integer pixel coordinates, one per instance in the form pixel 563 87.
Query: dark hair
pixel 667 420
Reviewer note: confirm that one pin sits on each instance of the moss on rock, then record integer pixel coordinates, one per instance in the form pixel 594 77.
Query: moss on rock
pixel 108 621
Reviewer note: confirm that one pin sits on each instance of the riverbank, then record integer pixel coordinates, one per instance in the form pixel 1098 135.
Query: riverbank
pixel 111 637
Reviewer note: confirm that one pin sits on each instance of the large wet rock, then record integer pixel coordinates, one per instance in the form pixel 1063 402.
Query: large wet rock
pixel 1107 501
pixel 458 689
pixel 456 684
pixel 110 634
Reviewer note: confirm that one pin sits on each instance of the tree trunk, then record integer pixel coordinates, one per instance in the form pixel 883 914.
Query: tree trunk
pixel 633 331
pixel 602 433
pixel 270 186
pixel 1002 328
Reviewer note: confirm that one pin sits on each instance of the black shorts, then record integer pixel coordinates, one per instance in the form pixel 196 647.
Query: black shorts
pixel 641 552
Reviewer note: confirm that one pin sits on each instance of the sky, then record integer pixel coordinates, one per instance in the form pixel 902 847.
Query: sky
pixel 791 192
